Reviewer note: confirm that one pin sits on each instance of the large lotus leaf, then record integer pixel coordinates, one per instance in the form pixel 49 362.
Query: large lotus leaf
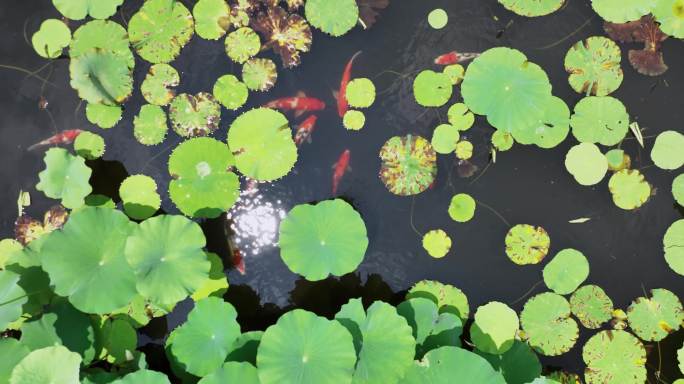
pixel 160 29
pixel 197 115
pixel 51 39
pixel 673 244
pixel 614 357
pixel 566 271
pixel 245 347
pixel 652 319
pixel 670 15
pixel 506 87
pixel 586 163
pixel 629 189
pixel 431 329
pixel 86 260
pixel 143 376
pixel 448 365
pixel 33 281
pixel 12 352
pixel 518 365
pixel 101 77
pixel 212 18
pixel 119 340
pixel 166 255
pixel 12 298
pixel 157 88
pixel 232 372
pixel 409 165
pixel 79 9
pixel 591 306
pixel 326 238
pixel 216 283
pixel 594 66
pixel 667 150
pixel 150 125
pixel 259 74
pixel 526 244
pixel 202 184
pixel 622 11
pixel 599 119
pixel 102 35
pixel 47 366
pixel 384 341
pixel 495 327
pixel 547 324
pixel 65 177
pixel 203 342
pixel 262 143
pixel 302 348
pixel 332 17
pixel 447 297
pixel 551 130
pixel 432 89
pixel 532 8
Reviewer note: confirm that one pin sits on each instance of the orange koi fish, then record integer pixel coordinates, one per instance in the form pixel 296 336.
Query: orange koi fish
pixel 455 57
pixel 299 103
pixel 65 137
pixel 305 130
pixel 342 104
pixel 340 168
pixel 238 261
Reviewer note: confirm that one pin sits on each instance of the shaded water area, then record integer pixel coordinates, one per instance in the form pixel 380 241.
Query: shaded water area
pixel 526 185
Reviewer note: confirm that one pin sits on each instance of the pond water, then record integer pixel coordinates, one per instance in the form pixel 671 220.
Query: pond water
pixel 525 185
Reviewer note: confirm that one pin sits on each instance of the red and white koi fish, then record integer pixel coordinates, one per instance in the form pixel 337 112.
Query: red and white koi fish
pixel 342 104
pixel 305 130
pixel 65 137
pixel 340 168
pixel 299 103
pixel 455 57
pixel 238 261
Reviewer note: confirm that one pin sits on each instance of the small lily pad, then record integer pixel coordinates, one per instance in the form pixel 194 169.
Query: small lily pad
pixel 160 29
pixel 51 39
pixel 546 321
pixel 139 196
pixel 104 116
pixel 464 150
pixel 526 244
pixel 432 89
pixel 629 189
pixel 150 125
pixel 566 271
pixel 586 163
pixel 447 297
pixel 614 357
pixel 551 130
pixel 532 8
pixel 354 120
pixel 259 74
pixel 212 18
pixel 495 327
pixel 409 165
pixel 460 117
pixel 360 93
pixel 444 138
pixel 334 18
pixel 242 44
pixel 673 244
pixel 79 9
pixel 653 318
pixel 591 306
pixel 678 189
pixel 462 208
pixel 618 160
pixel 89 145
pixel 197 115
pixel 594 66
pixel 622 11
pixel 157 88
pixel 65 177
pixel 502 141
pixel 667 150
pixel 230 91
pixel 669 13
pixel 602 120
pixel 456 73
pixel 437 243
pixel 438 18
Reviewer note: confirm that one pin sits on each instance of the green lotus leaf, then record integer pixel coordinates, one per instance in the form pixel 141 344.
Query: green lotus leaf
pixel 437 243
pixel 532 8
pixel 157 88
pixel 673 244
pixel 591 306
pixel 232 372
pixel 431 329
pixel 140 311
pixel 242 44
pixel 166 255
pixel 79 9
pixel 622 11
pixel 216 284
pixel 102 35
pixel 197 115
pixel 31 294
pixel 618 160
pixel 444 138
pixel 360 93
pixel 202 184
pixel 104 116
pixel 652 319
pixel 101 77
pixel 354 120
pixel 432 89
pixel 89 145
pixel 139 196
pixel 51 39
pixel 13 297
pixel 510 90
pixel 54 364
pixel 614 357
pixel 212 18
pixel 86 263
pixel 12 352
pixel 244 348
pixel 566 271
pixel 409 165
pixel 677 190
pixel 384 341
pixel 9 250
pixel 546 321
pixel 334 18
pixel 259 74
pixel 666 152
pixel 462 208
pixel 160 29
pixel 460 117
pixel 143 376
pixel 602 120
pixel 203 342
pixel 594 66
pixel 65 177
pixel 670 15
pixel 230 91
pixel 502 141
pixel 464 150
pixel 526 244
pixel 551 130
pixel 150 125
pixel 447 297
pixel 303 348
pixel 495 327
pixel 446 364
pixel 438 18
pixel 96 200
pixel 119 340
pixel 629 189
pixel 326 238
pixel 518 365
pixel 262 143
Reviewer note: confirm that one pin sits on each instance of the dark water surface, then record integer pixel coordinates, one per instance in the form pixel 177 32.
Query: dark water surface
pixel 526 185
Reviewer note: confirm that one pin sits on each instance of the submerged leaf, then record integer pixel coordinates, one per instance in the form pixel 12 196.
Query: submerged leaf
pixel 160 29
pixel 369 11
pixel 526 244
pixel 409 165
pixel 594 66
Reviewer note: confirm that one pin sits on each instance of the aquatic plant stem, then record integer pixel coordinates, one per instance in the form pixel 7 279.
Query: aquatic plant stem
pixel 526 293
pixel 494 211
pixel 481 173
pixel 413 203
pixel 573 33
pixel 26 71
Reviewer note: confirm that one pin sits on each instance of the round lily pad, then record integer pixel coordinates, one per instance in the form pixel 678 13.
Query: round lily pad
pixel 464 150
pixel 259 74
pixel 212 18
pixel 354 120
pixel 262 143
pixel 546 321
pixel 460 117
pixel 102 35
pixel 444 138
pixel 456 72
pixel 79 9
pixel 591 306
pixel 614 357
pixel 104 116
pixel 431 328
pixel 669 13
pixel 526 244
pixel 101 77
pixel 447 297
pixel 495 327
pixel 629 189
pixel 197 115
pixel 203 185
pixel 47 365
pixel 502 141
pixel 437 243
pixel 334 18
pixel 230 91
pixel 444 364
pixel 232 372
pixel 409 165
pixel 462 208
pixel 432 89
pixel 518 365
pixel 622 11
pixel 666 152
pixel 602 120
pixel 160 29
pixel 360 93
pixel 143 376
pixel 65 177
pixel 438 18
pixel 532 8
pixel 14 297
pixel 566 271
pixel 139 196
pixel 551 130
pixel 150 125
pixel 618 160
pixel 678 189
pixel 216 284
pixel 51 39
pixel 673 244
pixel 653 318
pixel 306 349
pixel 594 66
pixel 89 145
pixel 157 88
pixel 586 163
pixel 326 238
pixel 242 44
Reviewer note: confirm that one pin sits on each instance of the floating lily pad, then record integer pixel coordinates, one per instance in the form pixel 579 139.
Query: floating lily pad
pixel 360 93
pixel 532 8
pixel 160 29
pixel 629 189
pixel 326 238
pixel 143 376
pixel 65 177
pixel 667 150
pixel 242 44
pixel 51 39
pixel 306 349
pixel 101 77
pixel 197 115
pixel 89 145
pixel 495 327
pixel 104 116
pixel 139 196
pixel 354 120
pixel 431 328
pixel 586 163
pixel 602 120
pixel 456 72
pixel 678 189
pixel 444 365
pixel 409 165
pixel 150 125
pixel 13 296
pixel 673 244
pixel 464 150
pixel 566 271
pixel 621 11
pixel 438 18
pixel 618 160
pixel 460 117
pixel 334 18
pixel 437 243
pixel 432 89
pixel 212 18
pixel 102 35
pixel 287 33
pixel 262 143
pixel 503 141
pixel 669 13
pixel 526 244
pixel 444 138
pixel 462 208
pixel 614 357
pixel 551 130
pixel 12 352
pixel 591 306
pixel 652 319
pixel 47 365
pixel 546 321
pixel 216 284
pixel 518 365
pixel 203 185
pixel 157 88
pixel 230 91
pixel 79 9
pixel 447 297
pixel 232 372
pixel 594 66
pixel 259 74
